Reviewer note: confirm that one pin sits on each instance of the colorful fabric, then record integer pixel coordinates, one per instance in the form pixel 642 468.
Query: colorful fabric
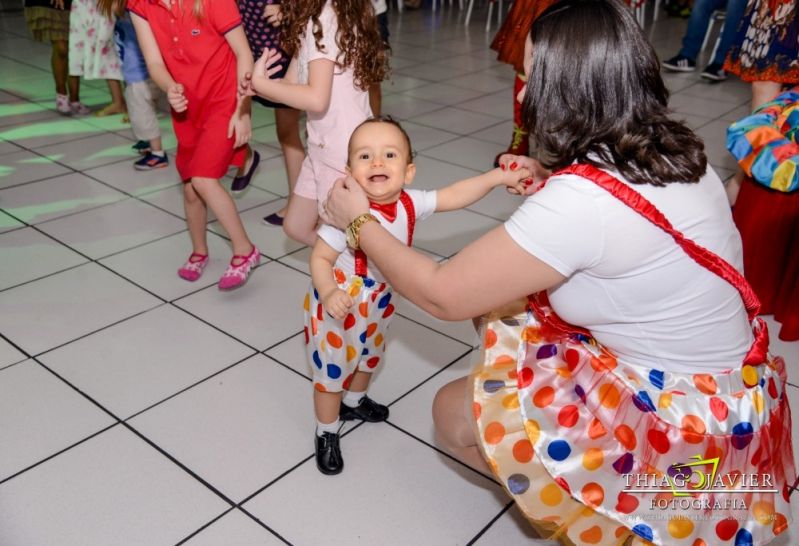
pixel 598 451
pixel 262 35
pixel 509 41
pixel 92 54
pixel 766 47
pixel 765 143
pixel 337 348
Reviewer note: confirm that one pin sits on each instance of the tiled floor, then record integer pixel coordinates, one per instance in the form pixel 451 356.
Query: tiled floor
pixel 136 408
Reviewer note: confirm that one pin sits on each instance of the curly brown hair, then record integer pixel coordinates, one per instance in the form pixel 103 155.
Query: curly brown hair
pixel 358 38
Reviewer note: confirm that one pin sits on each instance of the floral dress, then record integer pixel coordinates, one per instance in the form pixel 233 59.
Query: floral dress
pixel 92 53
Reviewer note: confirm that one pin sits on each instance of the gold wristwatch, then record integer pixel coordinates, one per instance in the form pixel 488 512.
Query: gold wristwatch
pixel 354 229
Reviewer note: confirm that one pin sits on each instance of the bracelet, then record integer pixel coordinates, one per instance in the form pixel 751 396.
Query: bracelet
pixel 354 229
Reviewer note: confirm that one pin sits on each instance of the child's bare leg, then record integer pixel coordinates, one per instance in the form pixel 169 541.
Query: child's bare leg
pixel 60 66
pixel 156 144
pixel 216 197
pixel 326 406
pixel 453 428
pixel 360 381
pixel 301 219
pixel 287 125
pixel 73 82
pixel 117 105
pixel 196 218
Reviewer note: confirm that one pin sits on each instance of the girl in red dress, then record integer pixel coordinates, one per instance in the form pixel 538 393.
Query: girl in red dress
pixel 197 53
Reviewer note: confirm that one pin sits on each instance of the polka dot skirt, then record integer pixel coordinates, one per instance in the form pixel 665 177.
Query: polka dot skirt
pixel 597 451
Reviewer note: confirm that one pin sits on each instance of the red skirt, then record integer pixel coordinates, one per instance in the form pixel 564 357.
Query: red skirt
pixel 509 41
pixel 769 224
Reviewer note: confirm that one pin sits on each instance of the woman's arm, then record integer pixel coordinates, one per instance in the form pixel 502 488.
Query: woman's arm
pixel 313 97
pixel 488 273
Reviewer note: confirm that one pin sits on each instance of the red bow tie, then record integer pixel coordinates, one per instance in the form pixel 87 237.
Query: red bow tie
pixel 388 210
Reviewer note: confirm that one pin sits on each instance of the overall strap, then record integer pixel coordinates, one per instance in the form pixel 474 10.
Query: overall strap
pixel 758 352
pixel 410 213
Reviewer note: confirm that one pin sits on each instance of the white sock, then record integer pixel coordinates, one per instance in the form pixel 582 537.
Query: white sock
pixel 159 153
pixel 333 427
pixel 353 399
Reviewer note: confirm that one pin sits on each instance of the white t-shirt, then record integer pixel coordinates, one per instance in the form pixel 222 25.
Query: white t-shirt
pixel 380 6
pixel 330 131
pixel 628 282
pixel 424 204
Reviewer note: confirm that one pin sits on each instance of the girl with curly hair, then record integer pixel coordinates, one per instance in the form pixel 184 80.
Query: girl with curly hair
pixel 337 55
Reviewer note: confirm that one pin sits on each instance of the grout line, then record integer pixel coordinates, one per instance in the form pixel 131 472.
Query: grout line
pixel 197 531
pixel 264 525
pixel 490 523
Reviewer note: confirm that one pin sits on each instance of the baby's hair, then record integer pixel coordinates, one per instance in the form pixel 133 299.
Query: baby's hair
pixel 391 121
pixel 358 38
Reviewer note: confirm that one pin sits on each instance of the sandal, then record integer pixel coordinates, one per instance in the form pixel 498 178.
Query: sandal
pixel 238 271
pixel 193 268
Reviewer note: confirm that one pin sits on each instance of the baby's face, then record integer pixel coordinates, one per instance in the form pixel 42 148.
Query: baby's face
pixel 379 161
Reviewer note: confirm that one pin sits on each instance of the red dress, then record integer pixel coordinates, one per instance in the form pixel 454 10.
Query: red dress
pixel 198 56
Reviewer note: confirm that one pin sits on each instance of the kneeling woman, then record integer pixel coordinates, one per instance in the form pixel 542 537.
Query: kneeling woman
pixel 639 364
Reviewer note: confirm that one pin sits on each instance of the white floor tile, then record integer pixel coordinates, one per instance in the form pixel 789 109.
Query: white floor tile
pixel 264 312
pixel 501 134
pixel 271 176
pixel 258 406
pixel 456 120
pixel 111 488
pixel 106 230
pixel 512 528
pixel 51 131
pixel 173 351
pixel 443 93
pixel 298 260
pixel 435 493
pixel 14 114
pixel 9 354
pixel 22 247
pixel 432 174
pixel 448 232
pixel 467 152
pixel 687 104
pixel 154 266
pixel 23 166
pixel 270 240
pixel 40 415
pixel 7 147
pixel 423 137
pixel 125 178
pixel 90 152
pixel 55 197
pixel 402 106
pixel 714 134
pixel 234 528
pixel 42 314
pixel 7 223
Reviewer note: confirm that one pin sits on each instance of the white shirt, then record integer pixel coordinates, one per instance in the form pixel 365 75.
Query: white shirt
pixel 424 204
pixel 629 283
pixel 380 6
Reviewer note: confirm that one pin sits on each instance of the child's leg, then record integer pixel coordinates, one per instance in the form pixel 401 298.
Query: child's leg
pixel 216 197
pixel 287 125
pixel 326 406
pixel 117 105
pixel 301 219
pixel 60 65
pixel 196 218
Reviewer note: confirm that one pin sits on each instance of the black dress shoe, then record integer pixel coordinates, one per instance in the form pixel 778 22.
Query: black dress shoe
pixel 367 410
pixel 328 453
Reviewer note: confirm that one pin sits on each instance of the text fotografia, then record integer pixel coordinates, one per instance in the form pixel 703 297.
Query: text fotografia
pixel 698 476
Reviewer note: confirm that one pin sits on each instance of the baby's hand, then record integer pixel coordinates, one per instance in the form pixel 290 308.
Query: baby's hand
pixel 337 303
pixel 176 98
pixel 536 174
pixel 513 177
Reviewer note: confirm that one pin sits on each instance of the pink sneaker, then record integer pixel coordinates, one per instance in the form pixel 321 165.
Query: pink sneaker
pixel 236 273
pixel 79 109
pixel 193 268
pixel 62 104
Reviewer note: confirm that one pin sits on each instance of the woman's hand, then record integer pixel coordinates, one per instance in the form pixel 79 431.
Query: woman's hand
pixel 538 174
pixel 177 100
pixel 273 15
pixel 345 202
pixel 239 126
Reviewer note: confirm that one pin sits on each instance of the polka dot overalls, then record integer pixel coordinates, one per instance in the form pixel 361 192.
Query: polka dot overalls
pixel 598 451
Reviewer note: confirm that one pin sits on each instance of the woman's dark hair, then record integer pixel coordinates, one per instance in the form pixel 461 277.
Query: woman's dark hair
pixel 595 95
pixel 358 38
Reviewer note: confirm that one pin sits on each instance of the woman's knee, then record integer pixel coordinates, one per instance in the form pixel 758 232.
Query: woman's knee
pixel 61 48
pixel 449 415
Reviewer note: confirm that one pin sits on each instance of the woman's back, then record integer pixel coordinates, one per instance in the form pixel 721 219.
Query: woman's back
pixel 628 281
